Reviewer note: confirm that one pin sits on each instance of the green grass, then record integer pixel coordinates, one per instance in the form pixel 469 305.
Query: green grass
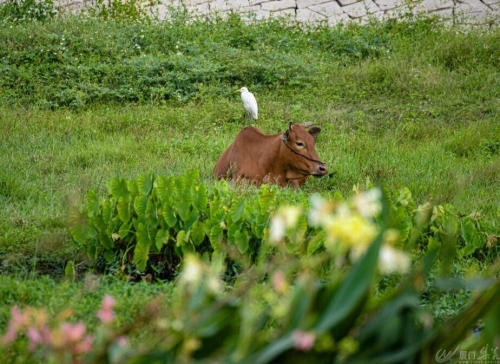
pixel 403 104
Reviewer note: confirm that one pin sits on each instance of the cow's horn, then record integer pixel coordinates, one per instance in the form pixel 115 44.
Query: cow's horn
pixel 290 125
pixel 307 124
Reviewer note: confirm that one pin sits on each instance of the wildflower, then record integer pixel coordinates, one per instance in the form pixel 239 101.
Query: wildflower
pixel 73 333
pixel 279 282
pixel 35 338
pixel 304 341
pixel 368 203
pixel 122 341
pixel 285 218
pixel 17 320
pixel 350 230
pixel 319 210
pixel 106 314
pixel 392 260
pixel 84 346
pixel 193 270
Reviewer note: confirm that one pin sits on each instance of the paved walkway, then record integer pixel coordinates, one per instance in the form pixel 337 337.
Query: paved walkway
pixel 329 11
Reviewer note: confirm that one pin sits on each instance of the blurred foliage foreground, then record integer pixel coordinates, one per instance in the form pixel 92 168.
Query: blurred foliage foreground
pixel 261 284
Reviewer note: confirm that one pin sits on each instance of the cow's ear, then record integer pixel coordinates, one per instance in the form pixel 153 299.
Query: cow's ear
pixel 285 136
pixel 314 131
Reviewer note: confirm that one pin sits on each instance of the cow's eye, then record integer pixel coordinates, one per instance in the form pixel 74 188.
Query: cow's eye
pixel 299 144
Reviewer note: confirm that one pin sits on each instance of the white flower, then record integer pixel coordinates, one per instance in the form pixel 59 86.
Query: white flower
pixel 368 203
pixel 318 211
pixel 392 260
pixel 193 270
pixel 285 218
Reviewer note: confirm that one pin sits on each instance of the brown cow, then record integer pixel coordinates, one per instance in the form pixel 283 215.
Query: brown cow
pixel 285 158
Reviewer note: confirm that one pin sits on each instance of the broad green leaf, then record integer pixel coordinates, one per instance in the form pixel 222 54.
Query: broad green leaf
pixel 180 183
pixel 241 240
pixel 141 251
pixel 468 233
pixel 264 198
pixel 151 212
pixel 92 203
pixel 222 188
pixel 216 234
pixel 123 208
pixel 132 188
pixel 316 242
pixel 69 271
pixel 193 176
pixel 237 208
pixel 161 238
pixel 259 224
pixel 107 211
pixel 351 291
pixel 200 198
pixel 218 260
pixel 118 187
pixel 197 233
pixel 183 203
pixel 216 210
pixel 182 238
pixel 114 225
pixel 140 204
pixel 125 229
pixel 109 255
pixel 401 219
pixel 191 219
pixel 145 183
pixel 232 229
pixel 105 240
pixel 301 227
pixel 79 227
pixel 163 190
pixel 169 216
pixel 97 222
pixel 433 243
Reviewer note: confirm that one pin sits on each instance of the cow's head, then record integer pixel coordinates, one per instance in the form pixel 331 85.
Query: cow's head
pixel 302 157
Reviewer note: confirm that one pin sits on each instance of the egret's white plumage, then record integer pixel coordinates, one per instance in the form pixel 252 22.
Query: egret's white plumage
pixel 249 103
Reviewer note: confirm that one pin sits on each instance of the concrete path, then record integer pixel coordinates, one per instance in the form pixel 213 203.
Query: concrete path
pixel 330 11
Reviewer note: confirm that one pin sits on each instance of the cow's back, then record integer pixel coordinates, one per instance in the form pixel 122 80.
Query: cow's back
pixel 247 157
pixel 222 168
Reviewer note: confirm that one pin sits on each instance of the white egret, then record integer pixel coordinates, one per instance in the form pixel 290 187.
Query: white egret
pixel 249 103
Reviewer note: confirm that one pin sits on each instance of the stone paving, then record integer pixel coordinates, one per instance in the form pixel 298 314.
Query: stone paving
pixel 326 11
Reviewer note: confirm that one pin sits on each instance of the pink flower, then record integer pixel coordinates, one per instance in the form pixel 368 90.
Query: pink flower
pixel 85 346
pixel 304 341
pixel 279 282
pixel 35 338
pixel 17 320
pixel 106 314
pixel 46 334
pixel 122 341
pixel 73 333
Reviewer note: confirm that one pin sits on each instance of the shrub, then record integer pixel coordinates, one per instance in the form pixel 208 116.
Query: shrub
pixel 152 222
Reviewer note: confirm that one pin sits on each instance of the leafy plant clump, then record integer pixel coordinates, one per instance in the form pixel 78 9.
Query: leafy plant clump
pixel 21 11
pixel 162 219
pixel 152 223
pixel 100 57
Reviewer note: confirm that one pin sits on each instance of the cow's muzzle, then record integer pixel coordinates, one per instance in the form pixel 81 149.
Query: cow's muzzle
pixel 320 170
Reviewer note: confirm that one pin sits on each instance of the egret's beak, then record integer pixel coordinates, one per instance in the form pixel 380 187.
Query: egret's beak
pixel 238 90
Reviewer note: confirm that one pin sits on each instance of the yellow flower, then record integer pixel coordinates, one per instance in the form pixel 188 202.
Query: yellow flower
pixel 350 230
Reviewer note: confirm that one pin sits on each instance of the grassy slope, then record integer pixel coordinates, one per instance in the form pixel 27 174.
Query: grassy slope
pixel 422 111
